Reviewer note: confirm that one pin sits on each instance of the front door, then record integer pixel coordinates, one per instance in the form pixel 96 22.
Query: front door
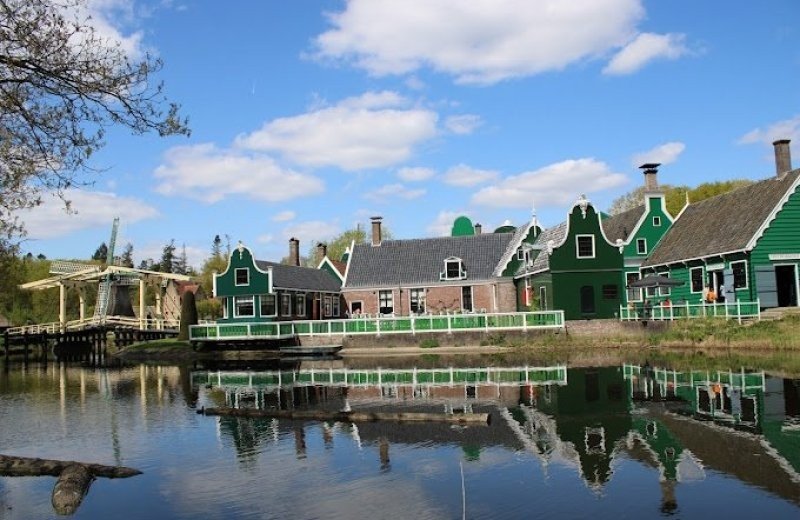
pixel 587 299
pixel 786 279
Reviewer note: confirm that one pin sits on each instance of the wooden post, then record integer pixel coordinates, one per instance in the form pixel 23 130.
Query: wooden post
pixel 6 345
pixel 141 303
pixel 159 311
pixel 62 307
pixel 82 305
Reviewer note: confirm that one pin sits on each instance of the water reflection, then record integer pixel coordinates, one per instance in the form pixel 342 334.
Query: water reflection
pixel 562 441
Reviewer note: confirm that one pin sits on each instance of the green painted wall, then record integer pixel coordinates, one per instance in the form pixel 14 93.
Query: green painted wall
pixel 515 263
pixel 570 273
pixel 227 288
pixel 782 236
pixel 328 268
pixel 462 227
pixel 647 231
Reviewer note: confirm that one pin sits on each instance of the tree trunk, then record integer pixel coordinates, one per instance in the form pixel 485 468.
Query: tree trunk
pixel 71 487
pixel 30 467
pixel 317 415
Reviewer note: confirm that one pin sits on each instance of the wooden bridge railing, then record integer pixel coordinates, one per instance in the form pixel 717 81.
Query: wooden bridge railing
pixel 108 321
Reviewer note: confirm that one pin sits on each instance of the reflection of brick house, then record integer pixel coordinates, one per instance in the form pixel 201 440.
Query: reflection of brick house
pixel 434 275
pixel 173 297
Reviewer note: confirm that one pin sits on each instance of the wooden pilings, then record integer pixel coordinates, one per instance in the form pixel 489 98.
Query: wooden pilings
pixel 321 415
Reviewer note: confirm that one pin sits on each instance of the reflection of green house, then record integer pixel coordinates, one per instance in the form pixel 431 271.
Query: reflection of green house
pixel 746 241
pixel 257 291
pixel 577 269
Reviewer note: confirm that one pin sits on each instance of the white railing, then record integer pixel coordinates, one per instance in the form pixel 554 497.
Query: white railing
pixel 109 321
pixel 377 326
pixel 737 310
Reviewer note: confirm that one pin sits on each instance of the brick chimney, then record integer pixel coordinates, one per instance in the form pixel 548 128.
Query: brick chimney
pixel 294 251
pixel 650 171
pixel 478 229
pixel 322 251
pixel 376 230
pixel 783 157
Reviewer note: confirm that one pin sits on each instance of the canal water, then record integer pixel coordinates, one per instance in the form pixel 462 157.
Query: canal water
pixel 623 441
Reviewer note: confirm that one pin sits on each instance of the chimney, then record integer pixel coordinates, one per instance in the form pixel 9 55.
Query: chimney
pixel 783 157
pixel 322 251
pixel 478 229
pixel 650 171
pixel 376 230
pixel 294 251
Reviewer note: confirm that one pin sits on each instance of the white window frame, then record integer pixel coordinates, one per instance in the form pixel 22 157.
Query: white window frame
pixel 327 305
pixel 656 221
pixel 641 246
pixel 360 306
pixel 628 291
pixel 300 310
pixel 262 305
pixel 418 295
pixel 462 273
pixel 237 299
pixel 578 248
pixel 746 276
pixel 471 299
pixel 542 297
pixel 236 276
pixel 390 300
pixel 520 254
pixel 702 280
pixel 224 308
pixel 286 309
pixel 665 291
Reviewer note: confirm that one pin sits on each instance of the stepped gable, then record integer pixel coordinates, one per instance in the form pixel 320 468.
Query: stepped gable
pixel 421 261
pixel 300 278
pixel 722 224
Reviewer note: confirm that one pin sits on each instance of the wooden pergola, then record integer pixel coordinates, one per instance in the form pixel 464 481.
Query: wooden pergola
pixel 85 275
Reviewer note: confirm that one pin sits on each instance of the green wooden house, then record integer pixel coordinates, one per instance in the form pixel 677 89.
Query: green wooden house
pixel 577 268
pixel 744 244
pixel 258 291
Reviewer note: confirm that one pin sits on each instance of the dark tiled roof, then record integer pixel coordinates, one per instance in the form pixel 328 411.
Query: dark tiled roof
pixel 542 260
pixel 302 278
pixel 420 261
pixel 620 226
pixel 723 223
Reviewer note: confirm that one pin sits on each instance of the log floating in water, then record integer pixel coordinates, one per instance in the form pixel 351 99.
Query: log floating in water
pixel 32 467
pixel 319 415
pixel 71 487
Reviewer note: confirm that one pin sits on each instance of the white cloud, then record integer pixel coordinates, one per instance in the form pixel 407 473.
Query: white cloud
pixel 374 130
pixel 554 185
pixel 107 18
pixel 666 153
pixel 284 216
pixel 415 174
pixel 463 124
pixel 480 41
pixel 463 175
pixel 394 190
pixel 443 224
pixel 209 174
pixel 92 209
pixel 645 48
pixel 311 232
pixel 785 129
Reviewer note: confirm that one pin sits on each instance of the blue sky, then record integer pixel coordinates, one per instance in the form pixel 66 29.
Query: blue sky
pixel 309 117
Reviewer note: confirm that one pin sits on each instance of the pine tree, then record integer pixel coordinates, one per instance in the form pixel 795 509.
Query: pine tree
pixel 126 260
pixel 168 258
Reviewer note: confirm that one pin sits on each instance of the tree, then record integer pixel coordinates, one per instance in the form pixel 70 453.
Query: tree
pixel 62 85
pixel 188 315
pixel 181 264
pixel 100 253
pixel 126 259
pixel 338 244
pixel 216 247
pixel 675 196
pixel 167 264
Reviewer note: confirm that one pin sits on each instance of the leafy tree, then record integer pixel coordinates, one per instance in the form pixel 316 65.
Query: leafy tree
pixel 675 196
pixel 167 264
pixel 126 259
pixel 100 253
pixel 338 244
pixel 62 85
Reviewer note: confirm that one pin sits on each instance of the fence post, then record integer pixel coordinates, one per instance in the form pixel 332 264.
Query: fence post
pixel 378 326
pixel 524 323
pixel 758 308
pixel 726 310
pixel 687 309
pixel 413 328
pixel 739 310
pixel 449 325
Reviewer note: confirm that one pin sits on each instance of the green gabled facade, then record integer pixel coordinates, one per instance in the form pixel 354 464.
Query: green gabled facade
pixel 586 279
pixel 744 244
pixel 242 298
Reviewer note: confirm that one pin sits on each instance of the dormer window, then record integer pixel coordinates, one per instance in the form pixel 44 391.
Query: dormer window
pixel 453 269
pixel 242 276
pixel 520 254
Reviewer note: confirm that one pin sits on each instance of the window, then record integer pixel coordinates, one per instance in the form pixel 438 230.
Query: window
pixel 585 246
pixel 335 306
pixel 610 292
pixel 385 302
pixel 286 304
pixel 327 306
pixel 243 307
pixel 242 276
pixel 665 291
pixel 466 298
pixel 454 269
pixel 739 274
pixel 656 221
pixel 355 308
pixel 267 304
pixel 543 298
pixel 641 246
pixel 300 305
pixel 224 308
pixel 520 254
pixel 696 277
pixel 417 300
pixel 634 295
